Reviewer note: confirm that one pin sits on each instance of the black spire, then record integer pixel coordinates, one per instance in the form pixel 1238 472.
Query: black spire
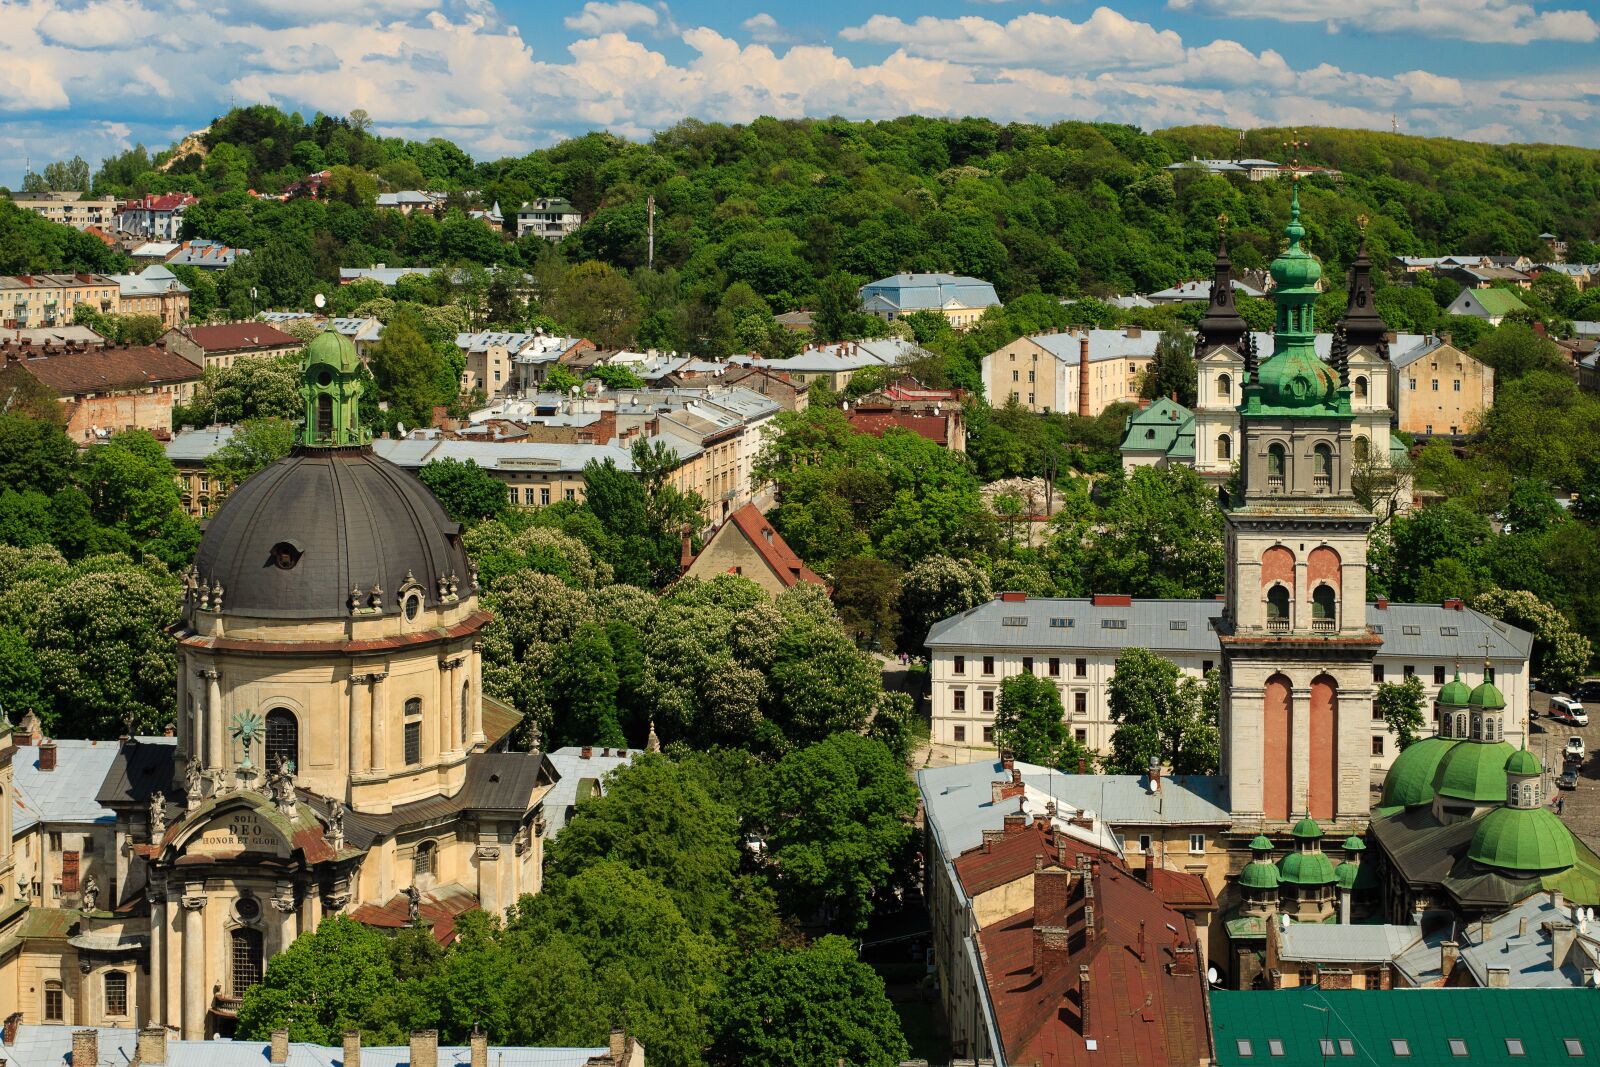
pixel 1362 325
pixel 1222 324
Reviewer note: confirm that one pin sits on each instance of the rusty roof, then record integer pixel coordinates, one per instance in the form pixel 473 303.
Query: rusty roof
pixel 1010 855
pixel 100 369
pixel 438 908
pixel 770 546
pixel 876 422
pixel 240 337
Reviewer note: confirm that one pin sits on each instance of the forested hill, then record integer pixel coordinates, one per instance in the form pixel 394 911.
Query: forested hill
pixel 1066 209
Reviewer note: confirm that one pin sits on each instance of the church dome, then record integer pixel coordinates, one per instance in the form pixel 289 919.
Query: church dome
pixel 1487 697
pixel 1475 771
pixel 1307 868
pixel 1523 839
pixel 1524 763
pixel 1295 268
pixel 1455 693
pixel 1259 874
pixel 1306 829
pixel 1412 774
pixel 1297 379
pixel 293 541
pixel 333 351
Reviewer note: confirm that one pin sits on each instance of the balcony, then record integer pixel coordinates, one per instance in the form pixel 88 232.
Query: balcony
pixel 1275 483
pixel 1323 626
pixel 1279 625
pixel 1321 483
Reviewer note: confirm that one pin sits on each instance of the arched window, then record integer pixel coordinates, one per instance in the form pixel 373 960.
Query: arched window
pixel 425 861
pixel 1461 724
pixel 324 414
pixel 283 738
pixel 1224 446
pixel 116 993
pixel 244 964
pixel 1362 449
pixel 1323 608
pixel 1322 468
pixel 1275 466
pixel 1224 387
pixel 1359 388
pixel 413 731
pixel 466 691
pixel 1278 608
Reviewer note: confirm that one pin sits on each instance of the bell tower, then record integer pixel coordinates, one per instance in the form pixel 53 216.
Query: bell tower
pixel 1296 649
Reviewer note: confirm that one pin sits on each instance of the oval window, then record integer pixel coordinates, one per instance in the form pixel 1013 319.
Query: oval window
pixel 413 605
pixel 324 376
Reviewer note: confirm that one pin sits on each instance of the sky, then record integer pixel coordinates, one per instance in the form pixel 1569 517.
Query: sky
pixel 501 77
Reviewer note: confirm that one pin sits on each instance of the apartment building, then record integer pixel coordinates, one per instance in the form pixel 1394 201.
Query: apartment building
pixel 29 301
pixel 70 209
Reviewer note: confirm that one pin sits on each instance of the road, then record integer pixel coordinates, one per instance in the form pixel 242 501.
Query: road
pixel 1546 739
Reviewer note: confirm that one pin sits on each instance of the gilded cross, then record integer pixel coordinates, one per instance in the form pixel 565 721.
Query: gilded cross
pixel 1361 222
pixel 1222 224
pixel 1294 144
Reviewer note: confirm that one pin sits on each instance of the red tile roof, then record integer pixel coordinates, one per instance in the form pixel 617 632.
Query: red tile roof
pixel 1183 890
pixel 790 568
pixel 933 427
pixel 439 908
pixel 164 202
pixel 1009 854
pixel 1147 995
pixel 239 337
pixel 101 369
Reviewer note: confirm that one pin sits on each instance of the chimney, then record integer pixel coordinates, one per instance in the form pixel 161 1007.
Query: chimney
pixel 1083 375
pixel 153 1045
pixel 47 755
pixel 1383 603
pixel 1522 926
pixel 480 1048
pixel 1015 823
pixel 1449 952
pixel 1154 775
pixel 280 1046
pixel 1008 759
pixel 8 1033
pixel 1141 939
pixel 424 1048
pixel 1083 765
pixel 1499 977
pixel 1562 934
pixel 1453 604
pixel 1050 887
pixel 1084 1001
pixel 1150 867
pixel 588 751
pixel 352 1048
pixel 85 1048
pixel 618 1044
pixel 1050 943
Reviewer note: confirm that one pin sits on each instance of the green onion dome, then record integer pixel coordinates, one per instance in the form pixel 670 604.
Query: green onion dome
pixel 1475 771
pixel 1354 844
pixel 1524 763
pixel 1295 268
pixel 1260 843
pixel 1523 839
pixel 1296 378
pixel 1487 697
pixel 1259 874
pixel 1455 693
pixel 1306 829
pixel 1410 779
pixel 333 349
pixel 1306 868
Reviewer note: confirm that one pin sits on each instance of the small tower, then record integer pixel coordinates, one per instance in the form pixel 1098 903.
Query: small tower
pixel 1222 324
pixel 1259 882
pixel 1308 874
pixel 330 388
pixel 1221 359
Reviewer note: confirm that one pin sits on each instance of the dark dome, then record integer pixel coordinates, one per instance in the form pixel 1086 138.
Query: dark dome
pixel 293 540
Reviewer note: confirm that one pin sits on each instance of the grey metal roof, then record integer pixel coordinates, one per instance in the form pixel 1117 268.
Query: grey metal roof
pixel 356 520
pixel 1338 943
pixel 575 769
pixel 1201 290
pixel 1419 631
pixel 958 802
pixel 502 456
pixel 51 1046
pixel 141 767
pixel 68 793
pixel 197 446
pixel 1117 344
pixel 1502 943
pixel 911 292
pixel 154 280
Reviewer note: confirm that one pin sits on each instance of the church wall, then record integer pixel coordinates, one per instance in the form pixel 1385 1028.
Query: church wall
pixel 39 963
pixel 1277 739
pixel 1325 749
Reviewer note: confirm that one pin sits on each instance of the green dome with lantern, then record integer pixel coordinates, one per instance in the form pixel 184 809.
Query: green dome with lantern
pixel 1297 378
pixel 1523 839
pixel 1487 696
pixel 1306 829
pixel 1306 868
pixel 333 350
pixel 1455 693
pixel 1295 267
pixel 1259 874
pixel 1525 763
pixel 1409 782
pixel 1475 771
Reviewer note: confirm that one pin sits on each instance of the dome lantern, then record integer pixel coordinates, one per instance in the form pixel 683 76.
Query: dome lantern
pixel 330 388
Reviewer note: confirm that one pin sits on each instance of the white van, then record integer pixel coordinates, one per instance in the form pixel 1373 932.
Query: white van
pixel 1569 711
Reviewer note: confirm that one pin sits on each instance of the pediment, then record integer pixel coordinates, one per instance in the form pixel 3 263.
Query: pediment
pixel 235 825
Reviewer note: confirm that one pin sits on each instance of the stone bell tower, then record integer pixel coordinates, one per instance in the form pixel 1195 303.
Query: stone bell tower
pixel 1296 651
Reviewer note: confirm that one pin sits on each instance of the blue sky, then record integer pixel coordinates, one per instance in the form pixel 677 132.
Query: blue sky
pixel 503 76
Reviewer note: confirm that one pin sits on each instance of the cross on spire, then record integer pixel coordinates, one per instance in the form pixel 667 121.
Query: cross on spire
pixel 1294 144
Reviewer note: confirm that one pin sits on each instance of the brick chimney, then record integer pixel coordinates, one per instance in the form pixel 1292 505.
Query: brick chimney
pixel 1083 375
pixel 424 1048
pixel 85 1048
pixel 1085 1001
pixel 1153 775
pixel 587 752
pixel 1449 952
pixel 1051 886
pixel 618 1044
pixel 1562 935
pixel 480 1048
pixel 280 1046
pixel 352 1048
pixel 1051 944
pixel 8 1033
pixel 152 1047
pixel 47 755
pixel 1007 758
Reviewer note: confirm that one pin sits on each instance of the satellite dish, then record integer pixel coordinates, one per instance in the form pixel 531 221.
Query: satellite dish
pixel 1283 923
pixel 1212 976
pixel 400 428
pixel 320 300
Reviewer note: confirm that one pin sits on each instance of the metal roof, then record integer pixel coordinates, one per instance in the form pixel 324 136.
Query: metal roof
pixel 1498 941
pixel 911 292
pixel 1117 344
pixel 197 446
pixel 51 1046
pixel 1369 1022
pixel 1415 631
pixel 66 794
pixel 504 456
pixel 574 768
pixel 1339 943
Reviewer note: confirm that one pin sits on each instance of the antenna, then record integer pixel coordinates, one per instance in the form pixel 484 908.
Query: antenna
pixel 650 204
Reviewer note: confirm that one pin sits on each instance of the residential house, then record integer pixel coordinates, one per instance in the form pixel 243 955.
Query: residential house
pixel 534 474
pixel 1441 1028
pixel 1582 275
pixel 34 300
pixel 1542 942
pixel 190 451
pixel 108 387
pixel 1255 170
pixel 834 365
pixel 1044 372
pixel 224 344
pixel 1041 934
pixel 1436 389
pixel 1198 292
pixel 581 775
pixel 1159 435
pixel 204 255
pixel 1492 305
pixel 154 251
pixel 1484 277
pixel 364 333
pixel 961 300
pixel 1075 643
pixel 551 218
pixel 935 414
pixel 154 291
pixel 384 275
pixel 1587 329
pixel 747 545
pixel 69 208
pixel 798 321
pixel 1437 264
pixel 501 363
pixel 407 201
pixel 790 395
pixel 60 336
pixel 158 216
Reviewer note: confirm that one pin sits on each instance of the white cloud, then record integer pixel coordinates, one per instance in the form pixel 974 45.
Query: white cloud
pixel 599 17
pixel 1485 21
pixel 462 71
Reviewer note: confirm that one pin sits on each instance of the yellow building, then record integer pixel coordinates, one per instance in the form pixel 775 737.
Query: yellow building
pixel 1436 390
pixel 959 299
pixel 70 209
pixel 154 291
pixel 1042 373
pixel 33 300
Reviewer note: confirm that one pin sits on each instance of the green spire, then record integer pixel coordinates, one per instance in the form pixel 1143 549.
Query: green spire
pixel 330 388
pixel 1296 272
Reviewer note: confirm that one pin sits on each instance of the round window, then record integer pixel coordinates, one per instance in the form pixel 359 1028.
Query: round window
pixel 413 605
pixel 247 908
pixel 324 376
pixel 285 555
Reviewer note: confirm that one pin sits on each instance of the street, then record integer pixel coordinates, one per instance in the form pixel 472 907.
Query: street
pixel 1546 739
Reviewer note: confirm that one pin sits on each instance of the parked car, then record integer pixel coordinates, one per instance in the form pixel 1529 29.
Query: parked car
pixel 1589 690
pixel 1569 711
pixel 1574 751
pixel 1568 778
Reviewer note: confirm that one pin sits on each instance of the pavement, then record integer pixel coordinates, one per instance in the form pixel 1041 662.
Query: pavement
pixel 1546 739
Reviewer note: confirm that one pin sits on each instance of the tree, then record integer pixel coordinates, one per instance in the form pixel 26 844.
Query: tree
pixel 255 444
pixel 1161 537
pixel 468 493
pixel 133 488
pixel 839 822
pixel 1560 656
pixel 35 454
pixel 1515 350
pixel 616 376
pixel 936 589
pixel 866 591
pixel 326 982
pixel 817 1005
pixel 597 302
pixel 1400 705
pixel 249 389
pixel 1172 371
pixel 1031 724
pixel 409 370
pixel 1160 715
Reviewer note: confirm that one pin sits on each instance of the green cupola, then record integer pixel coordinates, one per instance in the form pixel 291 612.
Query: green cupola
pixel 1307 865
pixel 330 388
pixel 1260 873
pixel 1525 840
pixel 1409 781
pixel 1455 693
